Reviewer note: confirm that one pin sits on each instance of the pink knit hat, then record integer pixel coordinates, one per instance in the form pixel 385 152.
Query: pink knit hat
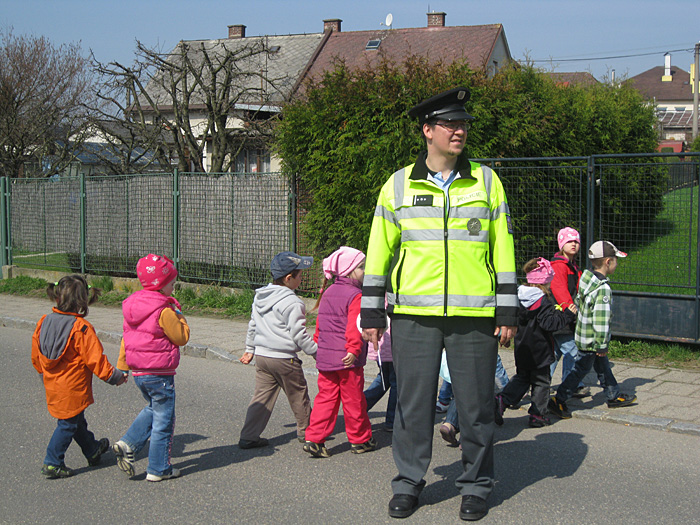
pixel 567 235
pixel 543 274
pixel 155 271
pixel 342 262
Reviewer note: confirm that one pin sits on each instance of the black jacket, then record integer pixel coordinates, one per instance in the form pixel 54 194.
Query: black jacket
pixel 538 318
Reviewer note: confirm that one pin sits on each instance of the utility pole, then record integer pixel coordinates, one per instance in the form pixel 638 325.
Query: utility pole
pixel 695 91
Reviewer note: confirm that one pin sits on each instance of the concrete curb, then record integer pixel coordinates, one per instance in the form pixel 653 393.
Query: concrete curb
pixel 211 352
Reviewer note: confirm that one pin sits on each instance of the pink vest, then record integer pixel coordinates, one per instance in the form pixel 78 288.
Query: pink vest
pixel 147 348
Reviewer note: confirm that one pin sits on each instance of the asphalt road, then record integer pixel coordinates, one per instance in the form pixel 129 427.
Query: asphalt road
pixel 576 471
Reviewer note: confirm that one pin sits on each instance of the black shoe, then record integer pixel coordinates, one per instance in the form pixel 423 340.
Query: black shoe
pixel 538 421
pixel 558 408
pixel 402 505
pixel 103 446
pixel 252 443
pixel 582 391
pixel 499 409
pixel 473 508
pixel 622 400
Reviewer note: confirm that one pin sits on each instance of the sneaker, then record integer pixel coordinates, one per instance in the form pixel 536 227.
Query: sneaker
pixel 361 448
pixel 622 400
pixel 52 472
pixel 538 421
pixel 253 443
pixel 441 407
pixel 174 473
pixel 317 450
pixel 557 408
pixel 449 434
pixel 97 456
pixel 582 391
pixel 499 409
pixel 125 457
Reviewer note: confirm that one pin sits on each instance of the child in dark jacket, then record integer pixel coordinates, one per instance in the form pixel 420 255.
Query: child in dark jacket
pixel 538 318
pixel 67 352
pixel 341 356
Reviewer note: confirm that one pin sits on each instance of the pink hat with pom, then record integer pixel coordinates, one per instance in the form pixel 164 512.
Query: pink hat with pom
pixel 543 274
pixel 342 262
pixel 155 271
pixel 567 235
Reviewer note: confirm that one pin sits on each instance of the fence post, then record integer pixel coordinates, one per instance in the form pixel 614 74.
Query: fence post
pixel 293 213
pixel 590 206
pixel 697 242
pixel 176 218
pixel 83 223
pixel 5 219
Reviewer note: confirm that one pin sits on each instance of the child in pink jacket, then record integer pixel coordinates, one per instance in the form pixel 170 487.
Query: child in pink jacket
pixel 154 330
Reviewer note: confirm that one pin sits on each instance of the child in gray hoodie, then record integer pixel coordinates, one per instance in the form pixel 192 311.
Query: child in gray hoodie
pixel 276 333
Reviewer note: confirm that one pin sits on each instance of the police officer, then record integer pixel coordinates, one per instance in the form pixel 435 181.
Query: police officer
pixel 441 251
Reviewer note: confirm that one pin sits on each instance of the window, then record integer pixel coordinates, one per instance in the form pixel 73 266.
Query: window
pixel 373 44
pixel 253 161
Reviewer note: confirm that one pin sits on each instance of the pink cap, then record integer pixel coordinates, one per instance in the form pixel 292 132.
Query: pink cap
pixel 342 262
pixel 155 271
pixel 567 235
pixel 543 274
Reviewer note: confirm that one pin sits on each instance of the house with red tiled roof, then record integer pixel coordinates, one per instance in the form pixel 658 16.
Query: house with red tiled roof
pixel 481 46
pixel 575 78
pixel 669 89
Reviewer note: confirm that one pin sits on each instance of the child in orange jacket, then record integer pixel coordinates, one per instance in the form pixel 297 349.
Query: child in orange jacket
pixel 66 351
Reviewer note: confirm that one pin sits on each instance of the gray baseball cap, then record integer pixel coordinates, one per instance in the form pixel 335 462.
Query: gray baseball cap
pixel 287 262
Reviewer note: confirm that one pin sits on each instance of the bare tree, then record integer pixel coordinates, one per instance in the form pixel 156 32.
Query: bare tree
pixel 203 98
pixel 43 90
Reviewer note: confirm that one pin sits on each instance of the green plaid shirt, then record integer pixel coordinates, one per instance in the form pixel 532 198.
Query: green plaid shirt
pixel 594 303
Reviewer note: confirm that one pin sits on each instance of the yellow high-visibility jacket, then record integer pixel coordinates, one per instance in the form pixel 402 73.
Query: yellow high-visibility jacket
pixel 431 259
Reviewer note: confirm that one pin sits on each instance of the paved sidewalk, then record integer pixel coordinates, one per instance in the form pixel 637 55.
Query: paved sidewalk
pixel 668 399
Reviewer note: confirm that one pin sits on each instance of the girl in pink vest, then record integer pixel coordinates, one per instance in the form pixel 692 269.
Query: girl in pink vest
pixel 341 356
pixel 154 330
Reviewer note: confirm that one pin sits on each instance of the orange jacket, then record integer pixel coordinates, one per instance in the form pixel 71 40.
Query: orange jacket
pixel 66 350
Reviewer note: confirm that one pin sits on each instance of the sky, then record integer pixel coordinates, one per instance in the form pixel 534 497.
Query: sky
pixel 627 36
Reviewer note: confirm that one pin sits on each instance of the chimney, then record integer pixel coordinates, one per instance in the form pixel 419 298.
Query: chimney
pixel 236 31
pixel 667 68
pixel 436 19
pixel 332 24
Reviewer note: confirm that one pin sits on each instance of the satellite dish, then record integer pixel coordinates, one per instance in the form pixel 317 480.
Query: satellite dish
pixel 389 20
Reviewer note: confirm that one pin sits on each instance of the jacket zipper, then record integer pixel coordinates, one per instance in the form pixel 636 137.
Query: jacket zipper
pixel 398 276
pixel 445 239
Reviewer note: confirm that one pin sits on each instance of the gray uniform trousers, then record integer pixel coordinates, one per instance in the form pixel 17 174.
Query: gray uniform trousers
pixel 417 344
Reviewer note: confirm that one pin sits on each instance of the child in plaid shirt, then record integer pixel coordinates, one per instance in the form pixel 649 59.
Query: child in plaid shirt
pixel 594 301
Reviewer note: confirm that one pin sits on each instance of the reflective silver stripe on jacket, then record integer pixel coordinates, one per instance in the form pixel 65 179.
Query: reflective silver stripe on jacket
pixel 436 212
pixel 381 211
pixel 439 235
pixel 438 301
pixel 369 301
pixel 399 182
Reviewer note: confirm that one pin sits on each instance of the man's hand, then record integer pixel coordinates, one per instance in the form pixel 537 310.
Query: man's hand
pixel 505 334
pixel 246 358
pixel 373 335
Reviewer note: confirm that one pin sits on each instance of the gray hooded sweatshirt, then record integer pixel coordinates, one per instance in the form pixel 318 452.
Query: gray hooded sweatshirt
pixel 277 326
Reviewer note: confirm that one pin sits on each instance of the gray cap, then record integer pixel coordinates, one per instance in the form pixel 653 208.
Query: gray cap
pixel 287 262
pixel 446 106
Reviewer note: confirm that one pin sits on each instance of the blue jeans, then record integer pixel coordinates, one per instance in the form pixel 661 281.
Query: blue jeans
pixel 445 394
pixel 156 420
pixel 66 431
pixel 378 388
pixel 501 379
pixel 566 350
pixel 584 363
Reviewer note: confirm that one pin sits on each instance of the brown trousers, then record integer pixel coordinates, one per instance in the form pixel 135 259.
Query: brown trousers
pixel 271 375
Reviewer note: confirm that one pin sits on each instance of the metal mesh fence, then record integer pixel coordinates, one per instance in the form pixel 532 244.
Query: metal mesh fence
pixel 222 228
pixel 45 222
pixel 225 228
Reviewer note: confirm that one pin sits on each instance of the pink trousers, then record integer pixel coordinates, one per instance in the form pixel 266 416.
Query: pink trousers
pixel 344 386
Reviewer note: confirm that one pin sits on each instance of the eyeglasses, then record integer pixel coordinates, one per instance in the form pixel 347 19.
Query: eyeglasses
pixel 454 125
